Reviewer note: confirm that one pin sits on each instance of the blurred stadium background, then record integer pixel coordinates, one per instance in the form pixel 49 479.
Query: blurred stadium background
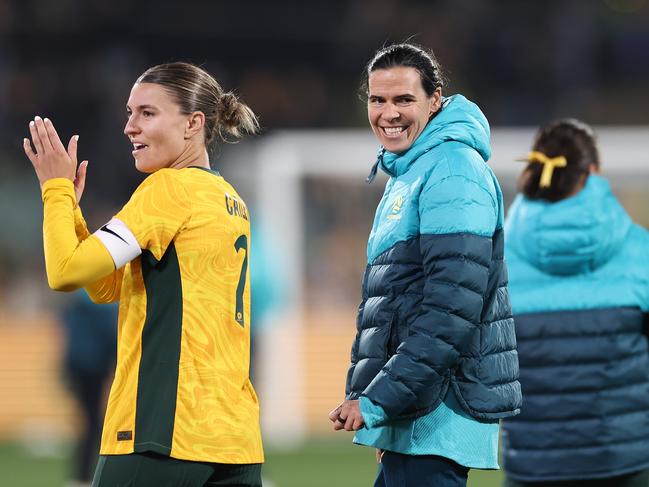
pixel 298 65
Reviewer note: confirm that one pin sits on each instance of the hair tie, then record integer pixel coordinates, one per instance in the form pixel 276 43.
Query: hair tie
pixel 549 164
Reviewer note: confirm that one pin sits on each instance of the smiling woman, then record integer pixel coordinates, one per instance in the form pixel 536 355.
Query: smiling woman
pixel 399 108
pixel 434 363
pixel 184 323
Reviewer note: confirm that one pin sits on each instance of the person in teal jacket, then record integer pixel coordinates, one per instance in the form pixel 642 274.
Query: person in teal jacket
pixel 579 282
pixel 434 363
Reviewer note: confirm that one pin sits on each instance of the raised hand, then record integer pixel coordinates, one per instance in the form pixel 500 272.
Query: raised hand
pixel 51 159
pixel 80 179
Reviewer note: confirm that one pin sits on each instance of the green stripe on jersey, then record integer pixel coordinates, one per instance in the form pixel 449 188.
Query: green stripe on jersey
pixel 158 374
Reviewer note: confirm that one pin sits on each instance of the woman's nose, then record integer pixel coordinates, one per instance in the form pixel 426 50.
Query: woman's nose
pixel 130 127
pixel 390 112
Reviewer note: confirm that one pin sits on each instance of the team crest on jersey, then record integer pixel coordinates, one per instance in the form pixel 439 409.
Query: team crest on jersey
pixel 395 211
pixel 235 206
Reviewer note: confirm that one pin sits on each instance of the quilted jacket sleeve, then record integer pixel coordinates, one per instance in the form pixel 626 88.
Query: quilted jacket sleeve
pixel 354 353
pixel 458 219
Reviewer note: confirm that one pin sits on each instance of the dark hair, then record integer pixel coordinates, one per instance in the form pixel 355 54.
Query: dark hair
pixel 194 89
pixel 408 55
pixel 567 137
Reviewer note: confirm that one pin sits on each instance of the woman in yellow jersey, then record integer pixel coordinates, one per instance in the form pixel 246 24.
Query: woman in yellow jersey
pixel 182 410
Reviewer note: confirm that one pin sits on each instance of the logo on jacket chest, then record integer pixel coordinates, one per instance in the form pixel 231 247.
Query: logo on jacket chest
pixel 395 209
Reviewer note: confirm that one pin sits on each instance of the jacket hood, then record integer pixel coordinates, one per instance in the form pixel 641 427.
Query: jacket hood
pixel 572 236
pixel 459 120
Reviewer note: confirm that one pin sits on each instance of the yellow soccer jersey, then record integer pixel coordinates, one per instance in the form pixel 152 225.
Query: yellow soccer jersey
pixel 182 384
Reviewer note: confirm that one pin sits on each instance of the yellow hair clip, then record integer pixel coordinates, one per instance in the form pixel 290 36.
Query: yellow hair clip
pixel 549 163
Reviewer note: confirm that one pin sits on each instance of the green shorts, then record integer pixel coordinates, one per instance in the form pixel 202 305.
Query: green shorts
pixel 153 470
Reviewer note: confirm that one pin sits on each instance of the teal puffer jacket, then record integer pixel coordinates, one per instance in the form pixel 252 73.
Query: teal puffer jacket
pixel 435 311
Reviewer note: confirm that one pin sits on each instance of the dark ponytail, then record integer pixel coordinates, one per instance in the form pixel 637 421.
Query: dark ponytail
pixel 571 139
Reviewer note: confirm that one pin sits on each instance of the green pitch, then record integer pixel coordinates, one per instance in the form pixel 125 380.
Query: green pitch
pixel 327 463
pixel 318 463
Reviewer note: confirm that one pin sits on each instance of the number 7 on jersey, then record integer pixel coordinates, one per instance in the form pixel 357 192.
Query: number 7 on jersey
pixel 241 243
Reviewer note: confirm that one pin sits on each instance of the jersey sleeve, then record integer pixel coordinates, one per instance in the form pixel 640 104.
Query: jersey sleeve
pixel 70 262
pixel 107 289
pixel 80 227
pixel 154 215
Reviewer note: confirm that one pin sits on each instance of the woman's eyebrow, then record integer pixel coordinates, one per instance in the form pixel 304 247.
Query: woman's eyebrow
pixel 142 107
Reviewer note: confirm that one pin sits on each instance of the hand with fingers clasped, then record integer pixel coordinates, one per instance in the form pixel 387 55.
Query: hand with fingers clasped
pixel 347 416
pixel 51 159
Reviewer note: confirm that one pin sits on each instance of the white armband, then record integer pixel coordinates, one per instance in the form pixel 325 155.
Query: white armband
pixel 120 242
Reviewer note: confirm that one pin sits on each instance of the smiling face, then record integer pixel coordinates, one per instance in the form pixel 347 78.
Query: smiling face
pixel 398 107
pixel 156 128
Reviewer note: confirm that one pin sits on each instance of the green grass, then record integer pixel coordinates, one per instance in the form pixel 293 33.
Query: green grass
pixel 20 469
pixel 318 463
pixel 327 463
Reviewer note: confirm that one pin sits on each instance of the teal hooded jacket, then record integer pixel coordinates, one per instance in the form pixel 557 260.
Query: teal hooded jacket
pixel 579 283
pixel 435 311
